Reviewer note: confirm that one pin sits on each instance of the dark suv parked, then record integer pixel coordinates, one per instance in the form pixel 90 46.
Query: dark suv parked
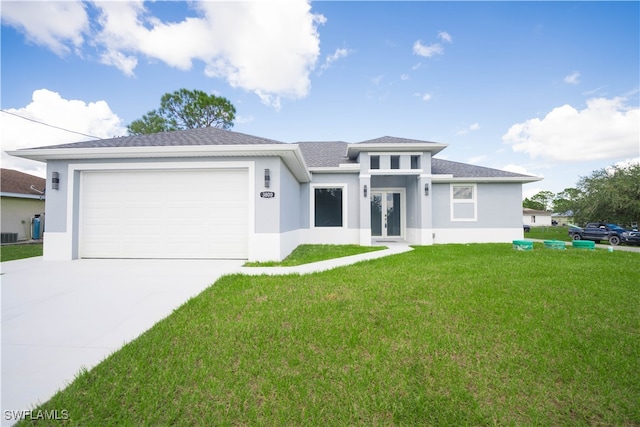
pixel 597 231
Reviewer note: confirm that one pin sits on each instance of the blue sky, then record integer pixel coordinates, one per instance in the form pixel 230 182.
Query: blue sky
pixel 544 88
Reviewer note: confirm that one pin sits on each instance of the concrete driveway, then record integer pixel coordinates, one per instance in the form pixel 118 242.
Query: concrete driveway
pixel 60 316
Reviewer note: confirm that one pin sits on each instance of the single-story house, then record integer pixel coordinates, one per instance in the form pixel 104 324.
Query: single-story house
pixel 536 218
pixel 21 200
pixel 212 193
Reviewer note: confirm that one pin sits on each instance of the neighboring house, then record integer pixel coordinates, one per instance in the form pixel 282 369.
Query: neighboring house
pixel 211 193
pixel 535 217
pixel 21 200
pixel 562 218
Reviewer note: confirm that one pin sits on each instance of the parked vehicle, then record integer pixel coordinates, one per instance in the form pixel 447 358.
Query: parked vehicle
pixel 630 237
pixel 527 228
pixel 598 231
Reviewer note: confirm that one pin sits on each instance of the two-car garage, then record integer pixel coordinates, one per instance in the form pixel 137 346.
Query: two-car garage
pixel 168 213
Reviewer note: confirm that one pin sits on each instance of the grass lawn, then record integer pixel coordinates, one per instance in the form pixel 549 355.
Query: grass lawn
pixel 549 233
pixel 305 254
pixel 442 335
pixel 13 252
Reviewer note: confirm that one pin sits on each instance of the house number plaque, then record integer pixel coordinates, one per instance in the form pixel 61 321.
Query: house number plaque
pixel 267 194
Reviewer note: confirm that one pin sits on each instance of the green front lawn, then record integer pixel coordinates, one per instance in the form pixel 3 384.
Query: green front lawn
pixel 442 335
pixel 549 233
pixel 305 254
pixel 13 252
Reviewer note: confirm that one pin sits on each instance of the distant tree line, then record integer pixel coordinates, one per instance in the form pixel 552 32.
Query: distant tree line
pixel 609 194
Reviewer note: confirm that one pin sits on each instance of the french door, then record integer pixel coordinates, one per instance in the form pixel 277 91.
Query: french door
pixel 387 216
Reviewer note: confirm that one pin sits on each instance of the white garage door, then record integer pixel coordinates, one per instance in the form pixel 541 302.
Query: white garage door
pixel 164 214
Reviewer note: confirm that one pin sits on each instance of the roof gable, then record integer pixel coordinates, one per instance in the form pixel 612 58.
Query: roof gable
pixel 465 170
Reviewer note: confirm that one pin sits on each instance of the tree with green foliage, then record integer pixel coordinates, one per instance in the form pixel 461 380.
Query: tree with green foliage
pixel 566 200
pixel 540 201
pixel 532 204
pixel 186 109
pixel 611 195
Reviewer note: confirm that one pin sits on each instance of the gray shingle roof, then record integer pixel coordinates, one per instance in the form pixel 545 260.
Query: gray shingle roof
pixel 316 154
pixel 201 136
pixel 465 170
pixel 324 154
pixel 394 140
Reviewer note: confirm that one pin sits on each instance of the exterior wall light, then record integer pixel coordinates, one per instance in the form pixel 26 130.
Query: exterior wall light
pixel 365 190
pixel 55 180
pixel 426 189
pixel 267 178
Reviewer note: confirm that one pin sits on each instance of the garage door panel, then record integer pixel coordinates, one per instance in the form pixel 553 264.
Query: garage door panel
pixel 165 214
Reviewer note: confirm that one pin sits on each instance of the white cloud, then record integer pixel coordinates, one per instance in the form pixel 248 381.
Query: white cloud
pixel 605 129
pixel 517 169
pixel 268 48
pixel 404 76
pixel 376 80
pixel 466 130
pixel 573 78
pixel 52 24
pixel 330 59
pixel 445 37
pixel 93 118
pixel 478 159
pixel 427 50
pixel 424 96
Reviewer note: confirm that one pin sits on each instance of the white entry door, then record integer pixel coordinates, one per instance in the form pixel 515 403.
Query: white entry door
pixel 387 216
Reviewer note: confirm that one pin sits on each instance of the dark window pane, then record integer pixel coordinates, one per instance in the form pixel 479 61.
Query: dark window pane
pixel 415 162
pixel 395 162
pixel 328 207
pixel 375 162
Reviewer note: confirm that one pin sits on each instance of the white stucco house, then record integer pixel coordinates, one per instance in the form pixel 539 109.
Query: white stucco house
pixel 536 218
pixel 211 193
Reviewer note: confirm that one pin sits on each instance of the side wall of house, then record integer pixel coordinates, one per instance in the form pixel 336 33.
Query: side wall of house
pixel 498 214
pixel 17 214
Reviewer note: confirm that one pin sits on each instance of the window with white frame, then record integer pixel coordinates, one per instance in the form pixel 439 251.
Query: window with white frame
pixel 464 206
pixel 328 206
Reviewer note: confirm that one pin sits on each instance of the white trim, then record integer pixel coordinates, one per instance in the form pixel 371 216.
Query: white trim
pixel 273 246
pixel 330 236
pixel 312 203
pixel 339 169
pixel 23 196
pixel 57 246
pixel 290 154
pixel 445 179
pixel 80 167
pixel 432 147
pixel 476 235
pixel 473 200
pixel 395 172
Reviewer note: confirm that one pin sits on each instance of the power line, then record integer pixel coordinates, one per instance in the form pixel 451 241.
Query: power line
pixel 51 126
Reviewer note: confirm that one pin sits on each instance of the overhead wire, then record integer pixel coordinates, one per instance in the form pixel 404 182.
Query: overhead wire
pixel 52 126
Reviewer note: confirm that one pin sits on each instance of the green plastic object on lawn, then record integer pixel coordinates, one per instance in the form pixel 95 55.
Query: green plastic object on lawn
pixel 523 245
pixel 554 244
pixel 584 244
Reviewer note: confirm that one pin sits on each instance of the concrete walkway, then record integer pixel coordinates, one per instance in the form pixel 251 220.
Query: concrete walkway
pixel 61 316
pixel 392 249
